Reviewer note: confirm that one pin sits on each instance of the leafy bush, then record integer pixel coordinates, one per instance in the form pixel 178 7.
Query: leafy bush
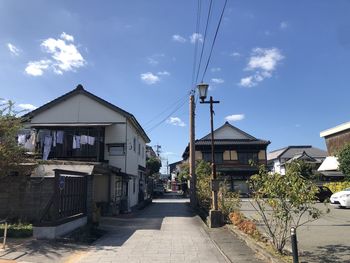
pixel 17 230
pixel 228 201
pixel 283 202
pixel 337 186
pixel 344 160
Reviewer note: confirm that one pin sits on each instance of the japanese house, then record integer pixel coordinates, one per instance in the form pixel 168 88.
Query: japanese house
pixel 82 132
pixel 277 160
pixel 235 150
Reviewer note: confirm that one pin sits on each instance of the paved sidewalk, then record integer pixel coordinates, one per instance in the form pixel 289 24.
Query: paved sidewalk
pixel 166 231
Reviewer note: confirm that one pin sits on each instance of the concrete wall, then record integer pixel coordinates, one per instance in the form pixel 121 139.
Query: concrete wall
pixel 53 232
pixel 24 197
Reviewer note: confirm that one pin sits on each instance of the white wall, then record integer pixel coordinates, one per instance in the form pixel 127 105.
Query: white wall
pixel 79 108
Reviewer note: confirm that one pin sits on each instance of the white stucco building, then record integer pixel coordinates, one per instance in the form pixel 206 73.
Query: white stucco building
pixel 82 129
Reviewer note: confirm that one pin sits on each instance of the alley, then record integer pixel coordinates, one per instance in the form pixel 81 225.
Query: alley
pixel 166 231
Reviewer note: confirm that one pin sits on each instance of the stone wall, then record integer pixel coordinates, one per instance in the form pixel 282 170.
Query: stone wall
pixel 23 197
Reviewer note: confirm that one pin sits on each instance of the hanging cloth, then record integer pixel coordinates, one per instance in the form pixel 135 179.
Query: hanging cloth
pixel 47 146
pixel 59 137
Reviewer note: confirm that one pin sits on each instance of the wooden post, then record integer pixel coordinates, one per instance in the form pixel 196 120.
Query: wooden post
pixel 192 150
pixel 4 237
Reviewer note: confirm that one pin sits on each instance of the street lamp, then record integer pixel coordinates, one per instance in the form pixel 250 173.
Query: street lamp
pixel 215 214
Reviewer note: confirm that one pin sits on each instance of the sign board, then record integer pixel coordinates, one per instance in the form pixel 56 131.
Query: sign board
pixel 61 182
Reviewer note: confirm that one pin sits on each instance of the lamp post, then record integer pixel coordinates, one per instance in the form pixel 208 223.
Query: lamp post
pixel 215 214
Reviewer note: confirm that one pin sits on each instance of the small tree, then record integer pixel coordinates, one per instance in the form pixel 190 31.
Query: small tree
pixel 184 173
pixel 344 161
pixel 203 172
pixel 11 155
pixel 283 202
pixel 153 165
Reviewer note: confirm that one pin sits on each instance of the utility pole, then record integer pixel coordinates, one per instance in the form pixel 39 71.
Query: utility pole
pixel 192 150
pixel 158 147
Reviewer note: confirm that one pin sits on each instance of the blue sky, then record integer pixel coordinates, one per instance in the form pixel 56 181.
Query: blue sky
pixel 279 68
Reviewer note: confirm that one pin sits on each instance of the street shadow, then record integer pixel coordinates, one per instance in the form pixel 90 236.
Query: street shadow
pixel 328 254
pixel 42 251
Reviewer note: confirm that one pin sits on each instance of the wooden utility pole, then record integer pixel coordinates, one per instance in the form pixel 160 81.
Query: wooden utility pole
pixel 192 150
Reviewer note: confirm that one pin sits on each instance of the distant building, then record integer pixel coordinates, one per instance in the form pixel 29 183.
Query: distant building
pixel 175 169
pixel 335 138
pixel 150 152
pixel 234 149
pixel 278 159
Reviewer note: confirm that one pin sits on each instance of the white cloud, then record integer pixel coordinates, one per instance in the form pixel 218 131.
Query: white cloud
pixel 176 121
pixel 27 106
pixel 64 57
pixel 283 25
pixel 67 37
pixel 247 82
pixel 163 73
pixel 263 63
pixel 196 37
pixel 36 68
pixel 235 54
pixel 152 61
pixel 217 81
pixel 235 117
pixel 149 78
pixel 217 69
pixel 13 49
pixel 179 38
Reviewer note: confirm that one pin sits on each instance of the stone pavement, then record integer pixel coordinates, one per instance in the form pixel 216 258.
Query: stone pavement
pixel 166 231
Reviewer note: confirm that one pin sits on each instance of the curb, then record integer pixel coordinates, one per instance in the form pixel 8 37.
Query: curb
pixel 254 245
pixel 205 228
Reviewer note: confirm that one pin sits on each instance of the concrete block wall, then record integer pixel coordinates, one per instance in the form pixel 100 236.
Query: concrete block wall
pixel 23 197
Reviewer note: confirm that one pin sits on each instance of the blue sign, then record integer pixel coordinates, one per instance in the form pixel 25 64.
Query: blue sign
pixel 61 182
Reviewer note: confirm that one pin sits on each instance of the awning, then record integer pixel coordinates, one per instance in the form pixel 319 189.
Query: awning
pixel 77 124
pixel 332 174
pixel 329 164
pixel 47 170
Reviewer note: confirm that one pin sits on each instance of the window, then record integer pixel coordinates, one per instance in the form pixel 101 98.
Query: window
pixel 246 157
pixel 118 186
pixel 116 149
pixel 139 151
pixel 134 144
pixel 218 157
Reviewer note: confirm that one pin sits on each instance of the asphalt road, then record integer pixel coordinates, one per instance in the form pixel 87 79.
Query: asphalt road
pixel 324 240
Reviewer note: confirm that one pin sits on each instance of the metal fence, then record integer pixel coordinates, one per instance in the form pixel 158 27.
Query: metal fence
pixel 68 200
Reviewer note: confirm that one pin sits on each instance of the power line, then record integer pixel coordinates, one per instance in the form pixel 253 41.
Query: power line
pixel 216 33
pixel 171 113
pixel 204 40
pixel 196 45
pixel 165 110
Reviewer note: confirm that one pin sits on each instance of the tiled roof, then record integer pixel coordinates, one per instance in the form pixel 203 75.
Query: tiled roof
pixel 230 142
pixel 291 151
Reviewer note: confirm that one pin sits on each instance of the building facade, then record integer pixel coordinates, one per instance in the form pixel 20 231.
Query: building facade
pixel 277 160
pixel 237 155
pixel 80 129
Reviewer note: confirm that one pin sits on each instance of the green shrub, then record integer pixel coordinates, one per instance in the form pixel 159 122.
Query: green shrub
pixel 17 230
pixel 337 186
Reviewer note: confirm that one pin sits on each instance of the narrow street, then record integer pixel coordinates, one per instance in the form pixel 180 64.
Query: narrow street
pixel 165 231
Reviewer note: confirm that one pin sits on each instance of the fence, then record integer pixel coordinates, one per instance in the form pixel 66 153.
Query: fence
pixel 69 199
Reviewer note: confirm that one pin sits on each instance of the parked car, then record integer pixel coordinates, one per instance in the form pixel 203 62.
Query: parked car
pixel 323 193
pixel 158 189
pixel 342 198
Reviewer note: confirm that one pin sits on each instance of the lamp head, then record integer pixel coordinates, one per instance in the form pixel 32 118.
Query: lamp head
pixel 203 90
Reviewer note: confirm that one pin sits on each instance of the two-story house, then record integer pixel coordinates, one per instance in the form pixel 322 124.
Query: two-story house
pixel 235 150
pixel 80 131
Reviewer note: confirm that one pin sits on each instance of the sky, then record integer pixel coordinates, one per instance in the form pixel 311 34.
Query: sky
pixel 279 68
